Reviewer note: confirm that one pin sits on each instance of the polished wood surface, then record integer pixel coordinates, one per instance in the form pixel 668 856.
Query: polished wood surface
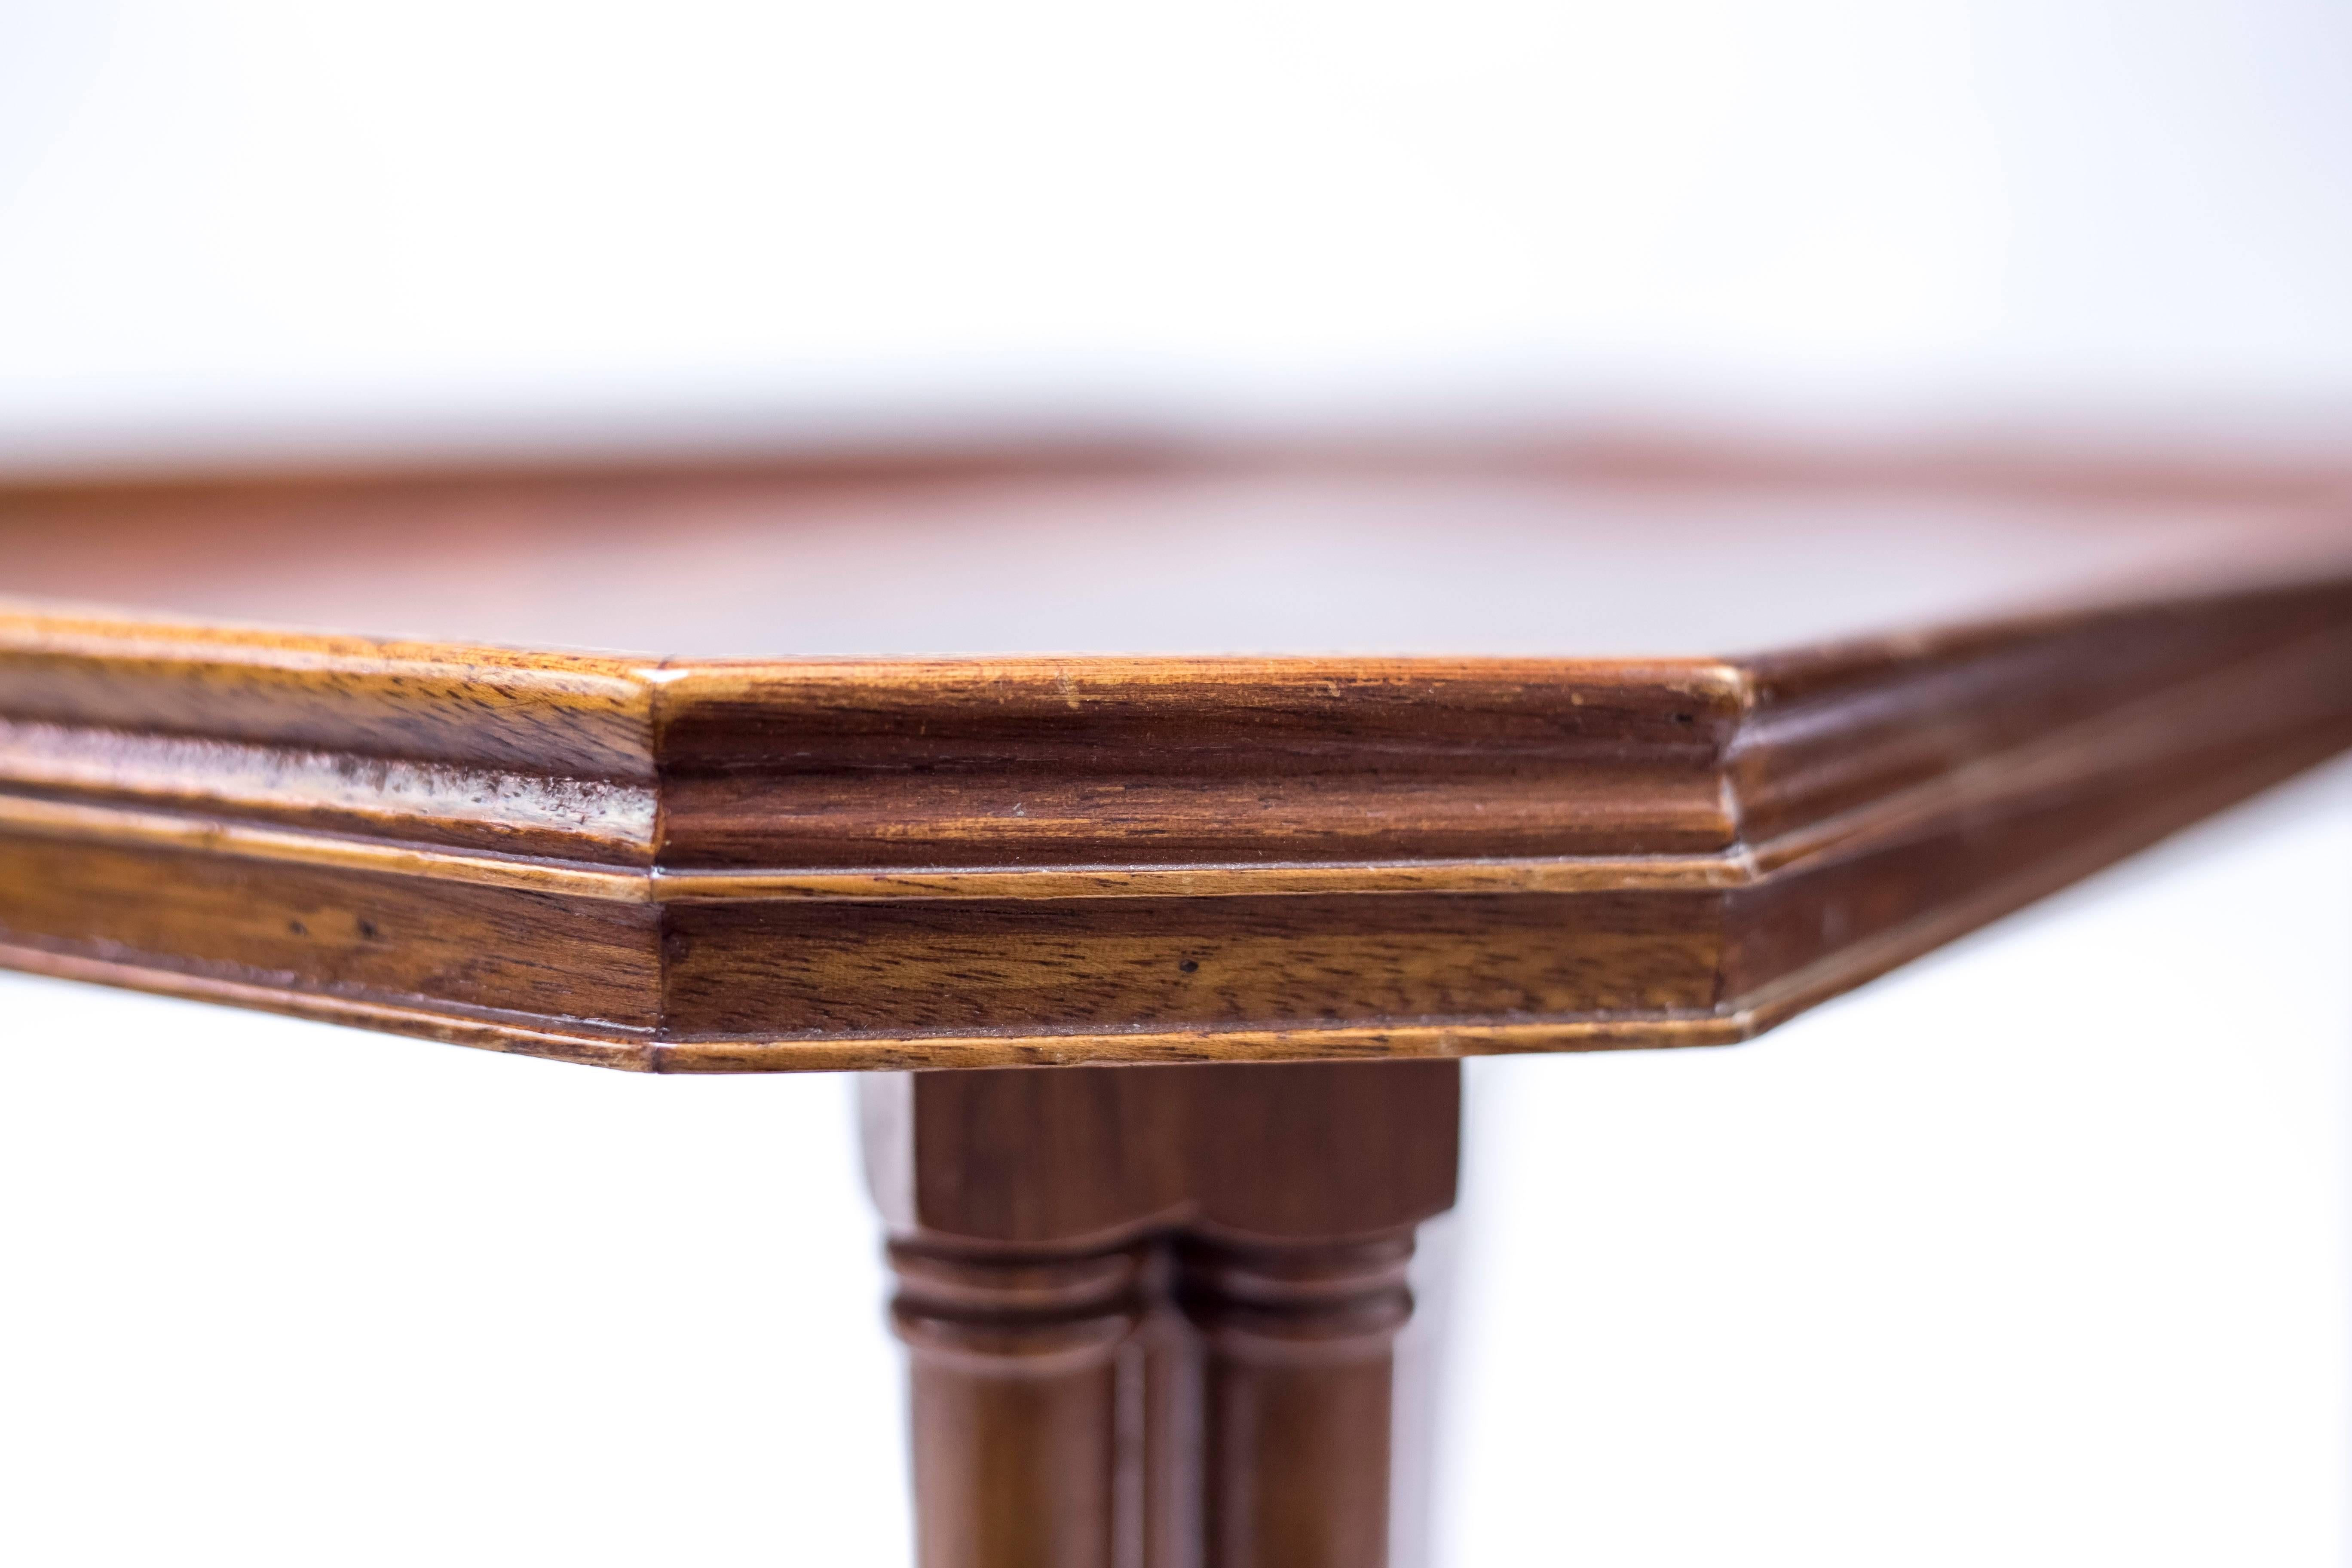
pixel 1251 762
pixel 1151 1311
pixel 1513 799
pixel 1402 550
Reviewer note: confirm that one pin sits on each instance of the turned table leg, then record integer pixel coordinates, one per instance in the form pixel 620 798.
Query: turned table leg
pixel 1015 1383
pixel 1296 1389
pixel 1150 1312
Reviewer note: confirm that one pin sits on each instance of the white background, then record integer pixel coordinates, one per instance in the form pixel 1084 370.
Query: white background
pixel 2035 1254
pixel 244 218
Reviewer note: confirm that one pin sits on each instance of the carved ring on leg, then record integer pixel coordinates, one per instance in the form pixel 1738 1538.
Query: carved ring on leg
pixel 1298 1344
pixel 1015 1382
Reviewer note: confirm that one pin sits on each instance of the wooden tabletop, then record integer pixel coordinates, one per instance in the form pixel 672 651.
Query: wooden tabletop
pixel 972 759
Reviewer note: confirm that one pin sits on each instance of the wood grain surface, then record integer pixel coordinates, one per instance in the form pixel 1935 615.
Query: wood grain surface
pixel 683 862
pixel 1151 1313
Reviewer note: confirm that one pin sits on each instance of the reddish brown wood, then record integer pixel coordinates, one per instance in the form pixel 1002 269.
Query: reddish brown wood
pixel 1152 1310
pixel 1632 857
pixel 1300 1350
pixel 1015 1377
pixel 723 865
pixel 1149 1310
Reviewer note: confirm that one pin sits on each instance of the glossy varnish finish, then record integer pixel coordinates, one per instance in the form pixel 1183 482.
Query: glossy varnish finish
pixel 713 864
pixel 1151 1311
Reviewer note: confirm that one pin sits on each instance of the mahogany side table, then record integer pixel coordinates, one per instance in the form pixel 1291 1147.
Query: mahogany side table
pixel 1159 829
